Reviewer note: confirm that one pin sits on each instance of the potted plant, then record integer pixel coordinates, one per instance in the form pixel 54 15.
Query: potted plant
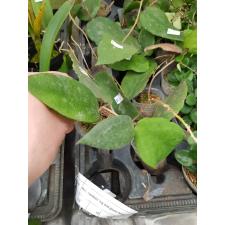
pixel 128 47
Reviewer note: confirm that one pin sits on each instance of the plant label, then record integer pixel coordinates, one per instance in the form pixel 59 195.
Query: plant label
pixel 173 32
pixel 99 202
pixel 118 99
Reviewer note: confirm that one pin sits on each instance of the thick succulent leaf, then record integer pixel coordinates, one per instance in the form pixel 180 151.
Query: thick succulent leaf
pixel 134 83
pixel 112 133
pixel 51 33
pixel 111 49
pixel 155 139
pixel 100 26
pixel 125 108
pixel 64 95
pixel 175 100
pixel 137 63
pixel 155 21
pixel 89 9
pixel 185 157
pixel 107 86
pixel 190 40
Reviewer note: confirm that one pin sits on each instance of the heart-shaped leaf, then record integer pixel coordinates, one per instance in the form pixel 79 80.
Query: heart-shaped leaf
pixel 134 83
pixel 155 139
pixel 112 133
pixel 112 49
pixel 65 95
pixel 137 63
pixel 155 21
pixel 100 26
pixel 89 9
pixel 175 100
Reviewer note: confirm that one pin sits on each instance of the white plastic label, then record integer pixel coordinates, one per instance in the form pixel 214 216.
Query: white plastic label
pixel 173 32
pixel 38 0
pixel 118 99
pixel 116 44
pixel 98 202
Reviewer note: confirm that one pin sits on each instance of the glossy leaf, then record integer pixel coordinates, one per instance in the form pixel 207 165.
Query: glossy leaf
pixel 175 100
pixel 155 139
pixel 155 21
pixel 137 63
pixel 64 95
pixel 89 9
pixel 190 40
pixel 100 26
pixel 134 83
pixel 51 33
pixel 112 133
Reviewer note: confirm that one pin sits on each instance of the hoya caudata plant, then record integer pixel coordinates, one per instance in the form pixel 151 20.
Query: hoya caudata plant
pixel 128 45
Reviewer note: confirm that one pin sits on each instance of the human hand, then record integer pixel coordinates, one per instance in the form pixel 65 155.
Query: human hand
pixel 46 132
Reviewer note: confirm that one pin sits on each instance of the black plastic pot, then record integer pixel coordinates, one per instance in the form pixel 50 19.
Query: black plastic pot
pixel 193 187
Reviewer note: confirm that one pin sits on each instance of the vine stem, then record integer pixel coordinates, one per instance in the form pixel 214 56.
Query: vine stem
pixel 135 23
pixel 177 116
pixel 188 68
pixel 153 78
pixel 79 28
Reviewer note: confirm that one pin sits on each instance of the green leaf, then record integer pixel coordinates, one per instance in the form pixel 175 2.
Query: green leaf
pixel 174 19
pixel 177 3
pixel 129 5
pixel 89 9
pixel 184 157
pixel 137 63
pixel 175 100
pixel 125 108
pixel 64 95
pixel 155 139
pixel 191 99
pixel 107 86
pixel 190 40
pixel 112 133
pixel 134 83
pixel 193 115
pixel 186 109
pixel 34 222
pixel 51 33
pixel 146 39
pixel 111 49
pixel 155 21
pixel 85 78
pixel 100 26
pixel 48 13
pixel 163 4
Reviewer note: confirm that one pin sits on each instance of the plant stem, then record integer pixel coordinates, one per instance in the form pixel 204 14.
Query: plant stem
pixel 79 28
pixel 177 116
pixel 153 78
pixel 107 109
pixel 135 23
pixel 188 67
pixel 81 53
